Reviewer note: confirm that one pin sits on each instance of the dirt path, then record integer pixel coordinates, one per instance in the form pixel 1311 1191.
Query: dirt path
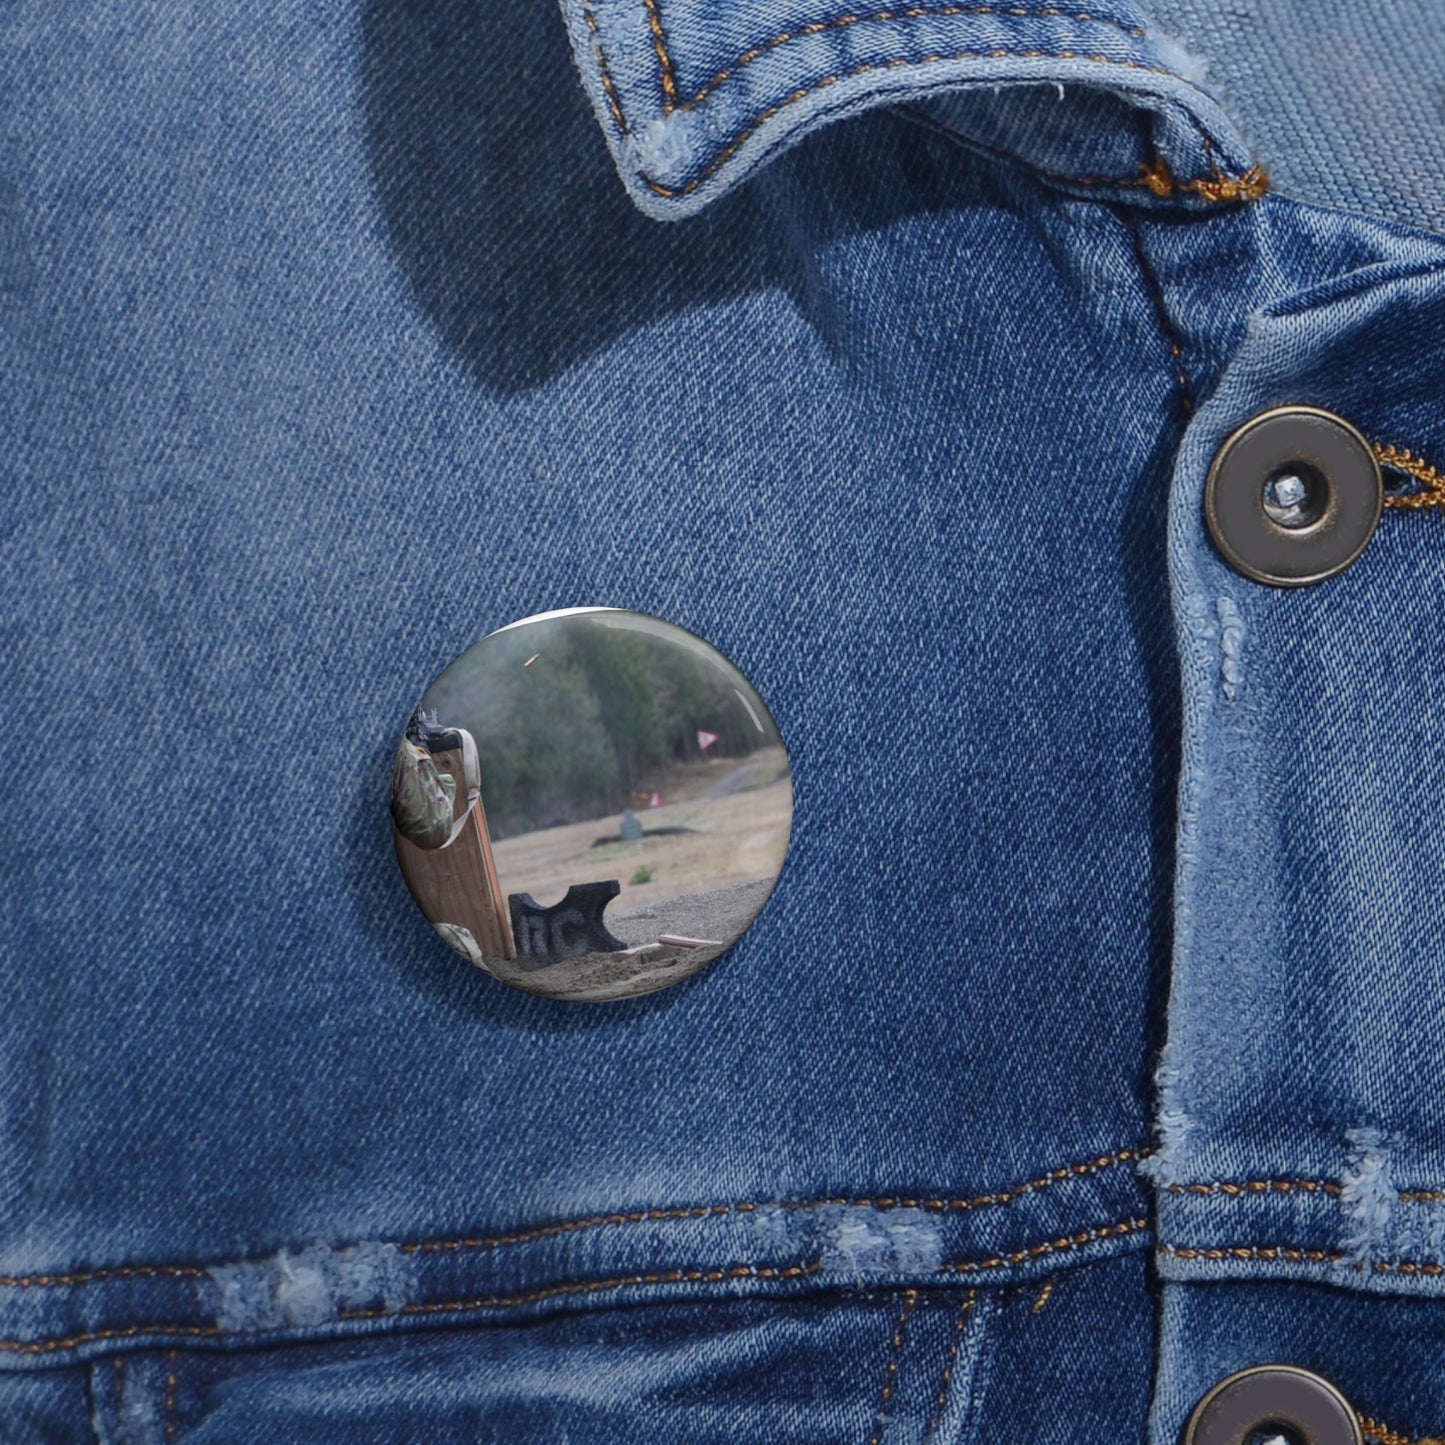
pixel 740 837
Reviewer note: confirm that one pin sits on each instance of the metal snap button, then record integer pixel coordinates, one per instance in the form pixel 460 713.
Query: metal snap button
pixel 1293 496
pixel 1279 1399
pixel 591 804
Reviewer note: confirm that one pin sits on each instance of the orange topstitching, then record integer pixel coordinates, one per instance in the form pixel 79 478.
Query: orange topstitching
pixel 1413 466
pixel 169 1408
pixel 950 1362
pixel 1051 1246
pixel 1297 1255
pixel 636 1216
pixel 912 12
pixel 1152 175
pixel 890 1374
pixel 581 1287
pixel 803 92
pixel 1386 1436
pixel 1235 1189
pixel 1155 175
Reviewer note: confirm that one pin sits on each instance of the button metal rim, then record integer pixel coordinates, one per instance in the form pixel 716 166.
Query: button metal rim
pixel 1352 504
pixel 1340 1424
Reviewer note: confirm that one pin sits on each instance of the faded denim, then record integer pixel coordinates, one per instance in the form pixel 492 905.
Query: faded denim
pixel 331 341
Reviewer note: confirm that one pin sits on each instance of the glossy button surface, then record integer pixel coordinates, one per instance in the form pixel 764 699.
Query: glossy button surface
pixel 1273 1399
pixel 1293 496
pixel 591 804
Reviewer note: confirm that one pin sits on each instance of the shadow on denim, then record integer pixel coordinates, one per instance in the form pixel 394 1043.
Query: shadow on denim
pixel 506 215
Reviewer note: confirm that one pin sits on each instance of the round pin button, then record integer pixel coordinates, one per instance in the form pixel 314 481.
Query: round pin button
pixel 1293 496
pixel 591 804
pixel 1279 1400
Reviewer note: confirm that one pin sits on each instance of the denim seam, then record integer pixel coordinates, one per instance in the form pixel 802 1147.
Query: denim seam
pixel 118 1332
pixel 1232 1189
pixel 1402 460
pixel 890 1373
pixel 1045 1294
pixel 1219 188
pixel 1052 1246
pixel 1155 175
pixel 1297 1255
pixel 591 1286
pixel 950 1361
pixel 996 1199
pixel 1160 307
pixel 614 102
pixel 664 60
pixel 168 1409
pixel 571 1288
pixel 672 1276
pixel 913 12
pixel 1378 1431
pixel 1235 1190
pixel 123 1271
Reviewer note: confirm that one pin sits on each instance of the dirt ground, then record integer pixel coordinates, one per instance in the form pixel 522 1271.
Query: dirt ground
pixel 706 883
pixel 742 813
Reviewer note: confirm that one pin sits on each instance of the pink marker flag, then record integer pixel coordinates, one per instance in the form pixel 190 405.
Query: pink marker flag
pixel 705 740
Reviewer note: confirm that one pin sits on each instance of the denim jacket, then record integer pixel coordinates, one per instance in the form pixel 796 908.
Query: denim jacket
pixel 1091 1046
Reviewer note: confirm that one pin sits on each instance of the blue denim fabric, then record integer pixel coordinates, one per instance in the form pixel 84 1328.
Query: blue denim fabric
pixel 1340 96
pixel 331 342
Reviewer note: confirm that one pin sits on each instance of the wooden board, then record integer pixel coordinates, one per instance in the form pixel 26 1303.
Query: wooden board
pixel 458 884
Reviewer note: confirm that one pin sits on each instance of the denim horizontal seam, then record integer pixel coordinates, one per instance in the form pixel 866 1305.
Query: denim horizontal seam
pixel 1078 1213
pixel 1295 1254
pixel 1051 1246
pixel 571 1289
pixel 1304 1227
pixel 995 1199
pixel 1235 1189
pixel 1257 1186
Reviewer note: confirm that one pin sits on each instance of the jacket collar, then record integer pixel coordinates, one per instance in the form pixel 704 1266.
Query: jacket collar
pixel 695 95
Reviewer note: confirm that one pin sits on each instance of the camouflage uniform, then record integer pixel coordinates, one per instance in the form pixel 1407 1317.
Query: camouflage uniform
pixel 422 797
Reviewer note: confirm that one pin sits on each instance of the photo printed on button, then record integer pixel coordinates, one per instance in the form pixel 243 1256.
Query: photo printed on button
pixel 591 804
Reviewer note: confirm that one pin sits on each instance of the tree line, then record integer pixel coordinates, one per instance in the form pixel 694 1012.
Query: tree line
pixel 571 714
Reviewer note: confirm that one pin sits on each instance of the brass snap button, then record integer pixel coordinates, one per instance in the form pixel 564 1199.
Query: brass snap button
pixel 1293 496
pixel 591 804
pixel 1273 1399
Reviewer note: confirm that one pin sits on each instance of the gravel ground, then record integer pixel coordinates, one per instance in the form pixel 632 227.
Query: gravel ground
pixel 598 977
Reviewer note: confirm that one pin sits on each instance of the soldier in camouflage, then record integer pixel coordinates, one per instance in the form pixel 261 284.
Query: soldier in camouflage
pixel 423 797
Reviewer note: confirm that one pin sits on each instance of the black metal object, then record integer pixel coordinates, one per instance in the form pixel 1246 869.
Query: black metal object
pixel 441 740
pixel 1282 1398
pixel 565 930
pixel 1293 496
pixel 646 833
